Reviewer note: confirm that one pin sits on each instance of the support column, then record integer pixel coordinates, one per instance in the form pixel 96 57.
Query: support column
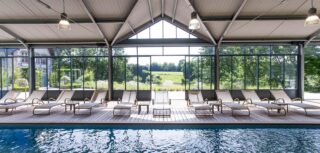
pixel 110 78
pixel 217 67
pixel 300 71
pixel 32 76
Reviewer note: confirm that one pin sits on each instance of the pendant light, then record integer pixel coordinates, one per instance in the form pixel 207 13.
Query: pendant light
pixel 194 23
pixel 64 23
pixel 313 18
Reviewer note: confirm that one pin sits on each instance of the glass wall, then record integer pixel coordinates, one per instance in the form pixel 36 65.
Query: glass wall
pixel 258 67
pixel 312 72
pixel 163 68
pixel 14 70
pixel 71 68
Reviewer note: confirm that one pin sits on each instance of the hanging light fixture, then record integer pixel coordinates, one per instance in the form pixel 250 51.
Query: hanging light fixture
pixel 64 23
pixel 312 18
pixel 194 23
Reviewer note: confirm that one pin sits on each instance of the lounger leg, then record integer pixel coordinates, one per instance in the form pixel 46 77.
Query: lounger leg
pixel 306 113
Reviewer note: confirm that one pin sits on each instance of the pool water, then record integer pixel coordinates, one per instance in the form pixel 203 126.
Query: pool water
pixel 159 139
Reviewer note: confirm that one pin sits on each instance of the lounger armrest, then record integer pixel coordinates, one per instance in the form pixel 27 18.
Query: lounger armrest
pixel 249 100
pixel 220 101
pixel 9 100
pixel 86 100
pixel 101 100
pixel 67 99
pixel 297 99
pixel 266 99
pixel 52 99
pixel 20 100
pixel 280 100
pixel 237 100
pixel 118 100
pixel 206 100
pixel 36 100
pixel 188 102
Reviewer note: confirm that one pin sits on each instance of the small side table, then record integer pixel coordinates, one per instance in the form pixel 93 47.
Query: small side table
pixel 71 104
pixel 144 103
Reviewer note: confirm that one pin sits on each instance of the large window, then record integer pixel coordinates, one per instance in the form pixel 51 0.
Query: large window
pixel 258 67
pixel 311 72
pixel 163 68
pixel 162 30
pixel 14 70
pixel 71 68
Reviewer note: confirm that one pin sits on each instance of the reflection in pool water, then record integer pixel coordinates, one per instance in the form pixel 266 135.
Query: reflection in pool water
pixel 159 140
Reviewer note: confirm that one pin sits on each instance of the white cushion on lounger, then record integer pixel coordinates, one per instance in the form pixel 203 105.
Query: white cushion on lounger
pixel 202 107
pixel 269 106
pixel 122 106
pixel 86 105
pixel 305 106
pixel 233 105
pixel 10 106
pixel 47 106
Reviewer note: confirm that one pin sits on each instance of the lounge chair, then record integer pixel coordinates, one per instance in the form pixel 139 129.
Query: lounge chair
pixel 129 99
pixel 282 97
pixel 9 97
pixel 225 98
pixel 195 99
pixel 252 98
pixel 161 104
pixel 97 98
pixel 34 96
pixel 64 98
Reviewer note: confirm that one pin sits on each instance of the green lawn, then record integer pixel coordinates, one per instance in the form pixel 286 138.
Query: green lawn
pixel 175 77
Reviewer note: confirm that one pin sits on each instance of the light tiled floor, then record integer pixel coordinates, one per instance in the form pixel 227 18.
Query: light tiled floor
pixel 181 114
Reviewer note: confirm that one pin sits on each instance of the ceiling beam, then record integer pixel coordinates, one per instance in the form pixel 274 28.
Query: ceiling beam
pixel 249 18
pixel 92 18
pixel 232 21
pixel 174 10
pixel 201 22
pixel 121 20
pixel 150 11
pixel 127 19
pixel 312 36
pixel 162 8
pixel 131 28
pixel 55 21
pixel 14 35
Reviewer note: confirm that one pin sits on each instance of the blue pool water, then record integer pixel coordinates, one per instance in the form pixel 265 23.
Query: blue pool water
pixel 158 139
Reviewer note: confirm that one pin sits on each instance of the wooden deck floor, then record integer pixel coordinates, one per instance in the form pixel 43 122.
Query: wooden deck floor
pixel 181 114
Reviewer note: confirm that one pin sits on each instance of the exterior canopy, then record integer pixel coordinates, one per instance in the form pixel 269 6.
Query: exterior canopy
pixel 109 22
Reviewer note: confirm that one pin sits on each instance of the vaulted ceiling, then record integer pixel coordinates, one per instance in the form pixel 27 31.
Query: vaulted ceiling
pixel 108 22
